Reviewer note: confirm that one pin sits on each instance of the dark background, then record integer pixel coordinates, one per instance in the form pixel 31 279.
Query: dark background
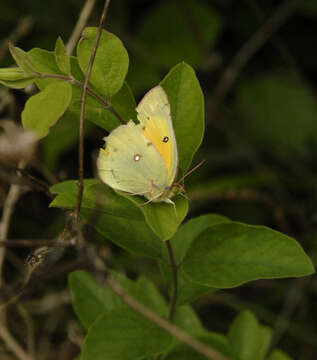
pixel 260 145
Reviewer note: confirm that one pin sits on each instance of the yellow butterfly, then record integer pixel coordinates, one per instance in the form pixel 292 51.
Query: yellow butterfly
pixel 142 159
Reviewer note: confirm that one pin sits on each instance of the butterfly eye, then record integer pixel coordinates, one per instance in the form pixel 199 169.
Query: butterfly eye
pixel 136 157
pixel 165 139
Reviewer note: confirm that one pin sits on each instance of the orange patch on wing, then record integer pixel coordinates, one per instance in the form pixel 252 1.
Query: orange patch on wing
pixel 156 134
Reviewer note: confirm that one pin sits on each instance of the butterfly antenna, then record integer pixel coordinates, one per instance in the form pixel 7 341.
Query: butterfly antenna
pixel 192 170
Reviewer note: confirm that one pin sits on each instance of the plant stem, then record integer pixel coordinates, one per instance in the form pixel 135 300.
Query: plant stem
pixel 83 111
pixel 175 280
pixel 260 37
pixel 179 334
pixel 73 81
pixel 175 284
pixel 81 23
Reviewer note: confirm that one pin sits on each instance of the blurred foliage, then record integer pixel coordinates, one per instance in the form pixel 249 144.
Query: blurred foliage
pixel 260 148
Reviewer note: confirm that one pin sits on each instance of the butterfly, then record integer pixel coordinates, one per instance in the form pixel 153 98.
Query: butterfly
pixel 142 159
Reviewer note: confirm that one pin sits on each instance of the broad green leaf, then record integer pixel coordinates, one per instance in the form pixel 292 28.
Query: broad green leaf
pixel 124 334
pixel 15 78
pixel 185 33
pixel 187 233
pixel 45 108
pixel 279 355
pixel 245 337
pixel 265 337
pixel 45 63
pixel 148 295
pixel 90 299
pixel 22 59
pixel 113 216
pixel 187 319
pixel 111 61
pixel 103 312
pixel 278 114
pixel 61 56
pixel 229 254
pixel 163 218
pixel 190 291
pixel 122 102
pixel 187 107
pixel 216 341
pixel 181 242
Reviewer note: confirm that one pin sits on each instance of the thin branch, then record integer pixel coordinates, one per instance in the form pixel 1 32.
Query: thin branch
pixel 259 38
pixel 292 300
pixel 73 81
pixel 22 29
pixel 81 23
pixel 175 280
pixel 12 344
pixel 83 110
pixel 31 243
pixel 280 45
pixel 12 175
pixel 181 335
pixel 8 208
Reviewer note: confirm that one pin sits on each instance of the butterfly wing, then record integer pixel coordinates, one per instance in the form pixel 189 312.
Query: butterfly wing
pixel 154 114
pixel 132 164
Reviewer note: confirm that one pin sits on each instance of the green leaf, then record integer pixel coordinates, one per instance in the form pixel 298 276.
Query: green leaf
pixel 279 355
pixel 278 114
pixel 187 107
pixel 229 254
pixel 111 62
pixel 216 341
pixel 124 104
pixel 245 337
pixel 163 218
pixel 22 59
pixel 89 299
pixel 15 78
pixel 61 56
pixel 45 108
pixel 187 233
pixel 114 217
pixel 265 334
pixel 124 334
pixel 187 31
pixel 181 242
pixel 187 319
pixel 123 101
pixel 106 316
pixel 45 63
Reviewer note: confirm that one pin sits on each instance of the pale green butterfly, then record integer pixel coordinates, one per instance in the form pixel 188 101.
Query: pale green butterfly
pixel 142 159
